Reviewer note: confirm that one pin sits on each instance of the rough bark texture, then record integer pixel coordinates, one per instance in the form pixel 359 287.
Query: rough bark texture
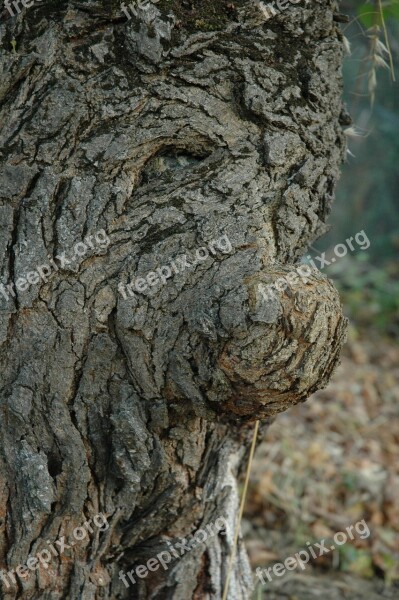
pixel 168 131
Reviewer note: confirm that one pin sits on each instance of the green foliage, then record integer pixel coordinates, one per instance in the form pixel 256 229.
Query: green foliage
pixel 370 293
pixel 367 13
pixel 356 561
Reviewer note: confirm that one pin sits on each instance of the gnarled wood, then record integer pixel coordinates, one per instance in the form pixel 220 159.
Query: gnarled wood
pixel 167 131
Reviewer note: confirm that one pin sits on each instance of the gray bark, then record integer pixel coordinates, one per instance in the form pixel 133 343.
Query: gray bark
pixel 168 131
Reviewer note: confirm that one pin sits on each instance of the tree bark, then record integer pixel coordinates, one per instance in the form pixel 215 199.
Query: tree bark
pixel 168 131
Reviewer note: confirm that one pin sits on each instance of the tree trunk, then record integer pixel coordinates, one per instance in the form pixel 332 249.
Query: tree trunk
pixel 209 132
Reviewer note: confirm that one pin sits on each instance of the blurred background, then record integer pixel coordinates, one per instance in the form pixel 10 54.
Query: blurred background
pixel 334 460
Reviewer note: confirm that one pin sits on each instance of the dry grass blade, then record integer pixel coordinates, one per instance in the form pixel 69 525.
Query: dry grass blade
pixel 388 48
pixel 238 525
